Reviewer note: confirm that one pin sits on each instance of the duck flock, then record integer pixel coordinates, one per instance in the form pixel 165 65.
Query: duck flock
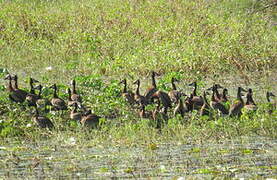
pixel 176 101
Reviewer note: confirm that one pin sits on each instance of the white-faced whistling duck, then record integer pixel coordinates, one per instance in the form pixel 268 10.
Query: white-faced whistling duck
pixel 32 97
pixel 174 94
pixel 235 109
pixel 70 100
pixel 13 96
pixel 20 92
pixel 180 108
pixel 215 104
pixel 153 89
pixel 164 99
pixel 74 114
pixel 206 108
pixel 42 121
pixel 139 98
pixel 197 101
pixel 56 102
pixel 159 116
pixel 272 106
pixel 42 102
pixel 250 104
pixel 74 96
pixel 128 95
pixel 189 103
pixel 224 97
pixel 143 113
pixel 90 120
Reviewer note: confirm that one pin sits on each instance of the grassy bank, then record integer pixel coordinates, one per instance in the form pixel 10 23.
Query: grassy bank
pixel 133 37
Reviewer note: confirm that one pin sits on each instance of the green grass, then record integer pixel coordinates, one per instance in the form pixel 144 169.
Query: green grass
pixel 100 42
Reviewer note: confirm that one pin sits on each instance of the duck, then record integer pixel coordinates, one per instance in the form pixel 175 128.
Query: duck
pixel 56 102
pixel 197 101
pixel 180 108
pixel 90 119
pixel 74 96
pixel 13 95
pixel 70 101
pixel 235 109
pixel 32 97
pixel 250 105
pixel 206 109
pixel 42 121
pixel 21 93
pixel 42 102
pixel 272 106
pixel 224 97
pixel 215 102
pixel 174 94
pixel 127 95
pixel 164 99
pixel 74 114
pixel 138 97
pixel 143 113
pixel 153 89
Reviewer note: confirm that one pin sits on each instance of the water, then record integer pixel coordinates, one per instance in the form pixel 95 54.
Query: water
pixel 241 158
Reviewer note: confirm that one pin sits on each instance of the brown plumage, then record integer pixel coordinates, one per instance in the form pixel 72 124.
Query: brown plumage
pixel 127 95
pixel 206 108
pixel 250 105
pixel 21 93
pixel 32 97
pixel 159 116
pixel 215 104
pixel 151 90
pixel 164 99
pixel 13 95
pixel 56 102
pixel 174 94
pixel 42 102
pixel 75 96
pixel 180 108
pixel 74 114
pixel 235 109
pixel 143 113
pixel 42 121
pixel 90 120
pixel 197 101
pixel 224 97
pixel 139 98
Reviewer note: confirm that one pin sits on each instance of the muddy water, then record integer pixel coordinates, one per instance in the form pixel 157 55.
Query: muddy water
pixel 247 157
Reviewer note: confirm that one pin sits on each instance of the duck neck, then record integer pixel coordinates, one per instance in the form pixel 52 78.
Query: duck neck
pixel 55 95
pixel 268 98
pixel 125 87
pixel 74 88
pixel 15 84
pixel 69 95
pixel 10 87
pixel 195 89
pixel 154 81
pixel 224 96
pixel 32 90
pixel 173 84
pixel 239 95
pixel 216 93
pixel 137 91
